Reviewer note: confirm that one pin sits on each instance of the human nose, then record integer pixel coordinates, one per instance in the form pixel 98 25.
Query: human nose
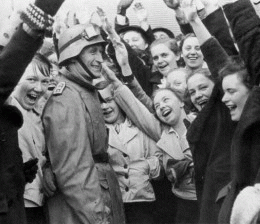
pixel 198 95
pixel 99 57
pixel 193 51
pixel 224 98
pixel 38 87
pixel 104 106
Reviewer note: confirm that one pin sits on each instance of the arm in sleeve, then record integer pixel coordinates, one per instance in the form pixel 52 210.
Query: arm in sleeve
pixel 138 113
pixel 245 25
pixel 139 93
pixel 214 55
pixel 14 59
pixel 154 159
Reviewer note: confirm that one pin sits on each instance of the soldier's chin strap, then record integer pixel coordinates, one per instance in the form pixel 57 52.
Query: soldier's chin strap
pixel 98 85
pixel 86 69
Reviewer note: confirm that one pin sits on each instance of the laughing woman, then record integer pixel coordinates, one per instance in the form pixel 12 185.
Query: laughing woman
pixel 168 129
pixel 31 87
pixel 134 158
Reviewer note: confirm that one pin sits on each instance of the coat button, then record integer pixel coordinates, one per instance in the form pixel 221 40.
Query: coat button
pixel 126 176
pixel 125 166
pixel 126 189
pixel 3 136
pixel 125 155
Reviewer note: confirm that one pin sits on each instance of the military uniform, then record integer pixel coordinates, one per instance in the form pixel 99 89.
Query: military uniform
pixel 76 137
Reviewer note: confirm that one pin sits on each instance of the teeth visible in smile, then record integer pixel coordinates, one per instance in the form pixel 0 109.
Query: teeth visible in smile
pixel 166 113
pixel 232 107
pixel 32 96
pixel 107 112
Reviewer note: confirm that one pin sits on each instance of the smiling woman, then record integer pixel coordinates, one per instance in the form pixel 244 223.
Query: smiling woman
pixel 34 82
pixel 31 87
pixel 165 53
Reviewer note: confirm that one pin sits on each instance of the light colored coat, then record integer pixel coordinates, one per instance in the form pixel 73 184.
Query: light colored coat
pixel 172 145
pixel 132 156
pixel 32 144
pixel 75 131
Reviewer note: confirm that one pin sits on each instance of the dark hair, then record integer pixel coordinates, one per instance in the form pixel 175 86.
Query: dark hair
pixel 185 38
pixel 42 63
pixel 169 42
pixel 235 65
pixel 164 30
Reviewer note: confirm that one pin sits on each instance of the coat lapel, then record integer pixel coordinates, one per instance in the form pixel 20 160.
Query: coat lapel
pixel 170 144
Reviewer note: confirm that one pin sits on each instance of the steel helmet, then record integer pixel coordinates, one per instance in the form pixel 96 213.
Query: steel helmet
pixel 74 39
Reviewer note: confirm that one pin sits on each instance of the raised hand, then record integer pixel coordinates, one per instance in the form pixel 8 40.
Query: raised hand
pixel 141 12
pixel 121 53
pixel 189 10
pixel 173 4
pixel 107 27
pixel 123 5
pixel 108 74
pixel 71 19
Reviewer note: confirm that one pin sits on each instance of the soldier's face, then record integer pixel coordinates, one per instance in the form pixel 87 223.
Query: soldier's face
pixel 92 57
pixel 31 87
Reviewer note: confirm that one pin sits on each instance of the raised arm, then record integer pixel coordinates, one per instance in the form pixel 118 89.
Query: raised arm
pixel 214 54
pixel 20 50
pixel 133 108
pixel 245 25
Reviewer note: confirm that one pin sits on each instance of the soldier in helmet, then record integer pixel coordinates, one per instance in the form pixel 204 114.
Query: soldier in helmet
pixel 76 138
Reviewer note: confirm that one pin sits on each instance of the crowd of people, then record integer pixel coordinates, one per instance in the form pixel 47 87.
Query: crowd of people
pixel 118 123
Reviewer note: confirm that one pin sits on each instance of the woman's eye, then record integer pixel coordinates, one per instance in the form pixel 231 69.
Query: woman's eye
pixel 164 55
pixel 192 93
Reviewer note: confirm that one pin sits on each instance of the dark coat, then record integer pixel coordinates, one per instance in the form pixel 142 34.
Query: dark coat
pixel 245 144
pixel 210 137
pixel 13 60
pixel 245 153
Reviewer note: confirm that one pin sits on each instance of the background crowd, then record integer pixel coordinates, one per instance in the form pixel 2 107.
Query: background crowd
pixel 108 122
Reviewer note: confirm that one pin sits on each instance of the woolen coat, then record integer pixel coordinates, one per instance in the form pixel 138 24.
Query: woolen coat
pixel 245 25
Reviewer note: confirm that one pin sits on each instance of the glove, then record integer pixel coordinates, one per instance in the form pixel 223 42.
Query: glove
pixel 30 169
pixel 49 6
pixel 176 169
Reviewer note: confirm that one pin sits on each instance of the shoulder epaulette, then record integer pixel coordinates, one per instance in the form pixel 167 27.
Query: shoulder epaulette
pixel 59 88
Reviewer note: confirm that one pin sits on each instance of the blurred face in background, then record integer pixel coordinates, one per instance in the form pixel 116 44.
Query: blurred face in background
pixel 176 80
pixel 135 40
pixel 160 34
